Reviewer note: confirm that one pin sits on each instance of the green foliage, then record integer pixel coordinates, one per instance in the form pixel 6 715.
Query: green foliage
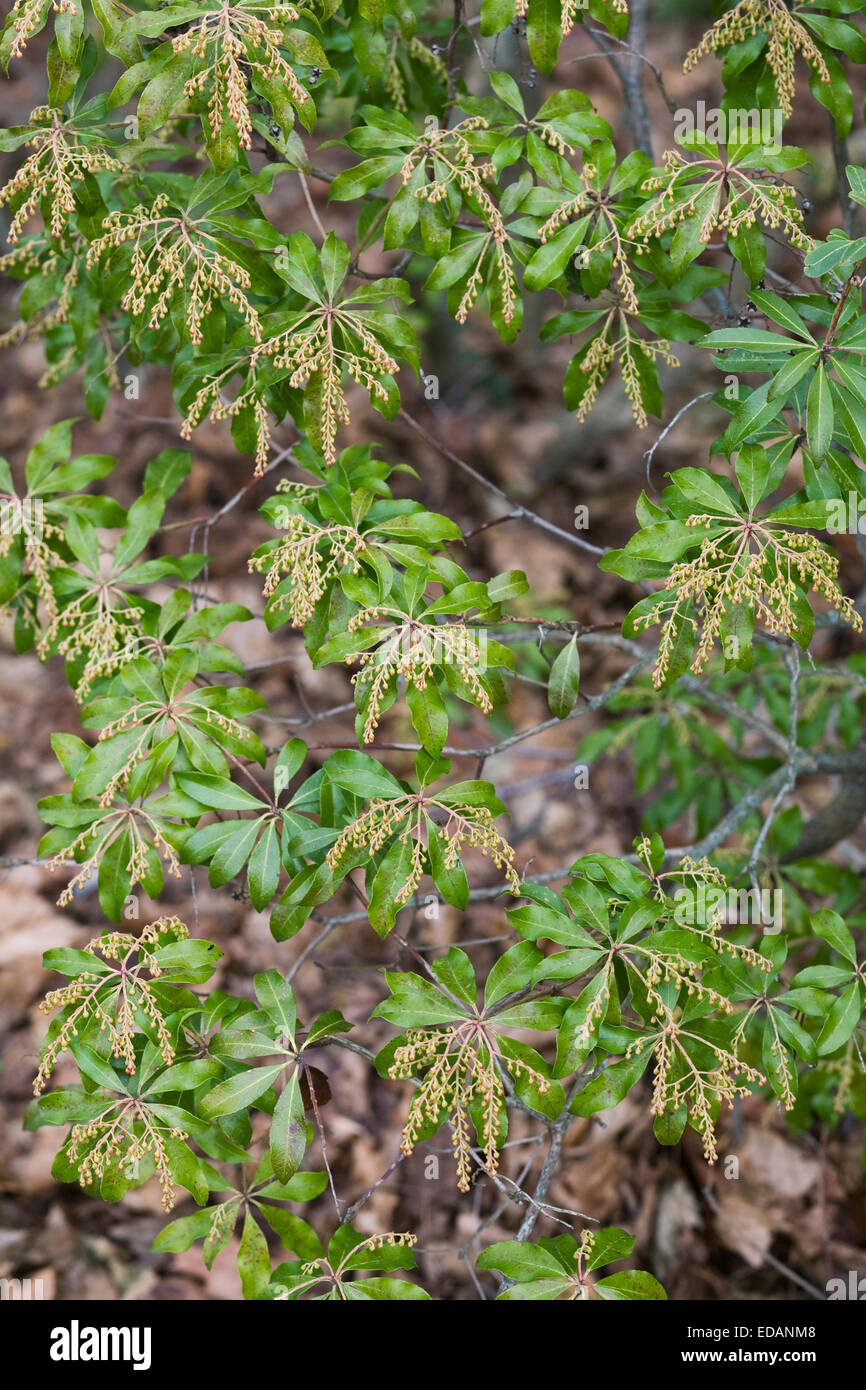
pixel 655 973
pixel 557 1269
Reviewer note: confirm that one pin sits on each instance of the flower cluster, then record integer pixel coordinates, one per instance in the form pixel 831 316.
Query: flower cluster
pixel 112 999
pixel 91 845
pixel 172 256
pixel 787 38
pixel 150 717
pixel 846 1069
pixel 413 650
pixel 626 349
pixel 722 195
pixel 28 16
pixel 755 564
pixel 329 343
pixel 124 1135
pixel 589 199
pixel 309 557
pixel 582 1254
pixel 95 628
pixel 470 827
pixel 461 1067
pixel 679 1080
pixel 39 557
pixel 40 257
pixel 392 1239
pixel 229 43
pixel 211 402
pixel 60 160
pixel 450 155
pixel 699 869
pixel 326 344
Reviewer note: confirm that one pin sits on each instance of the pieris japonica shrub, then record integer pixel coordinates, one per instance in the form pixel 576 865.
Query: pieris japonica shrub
pixel 135 225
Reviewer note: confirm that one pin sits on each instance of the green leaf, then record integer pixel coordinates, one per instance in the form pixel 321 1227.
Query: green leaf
pixel 359 773
pixel 631 1284
pixel 819 414
pixel 553 255
pixel 414 1003
pixel 546 1290
pixel 750 249
pixel 192 961
pixel 288 1133
pixel 511 972
pixel 703 490
pixel 238 1092
pixel 456 264
pixel 544 32
pixel 782 311
pixel 163 93
pixel 181 1234
pixel 521 1261
pixel 564 679
pixel 275 996
pixel 264 868
pixel 189 1170
pixel 294 1233
pixel 289 761
pixel 841 1021
pixel 816 513
pixel 113 877
pixel 758 340
pixel 96 1068
pixel 451 882
pixel 495 15
pixel 254 1262
pixel 217 793
pixel 612 1086
pixel 390 877
pixel 831 928
pixel 67 961
pixel 243 1044
pixel 54 447
pixel 370 173
pixel 753 469
pixel 326 1025
pixel 857 183
pixel 385 1290
pixel 794 370
pixel 609 1244
pixel 507 90
pixel 184 1076
pixel 670 1127
pixel 455 973
pixel 429 716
